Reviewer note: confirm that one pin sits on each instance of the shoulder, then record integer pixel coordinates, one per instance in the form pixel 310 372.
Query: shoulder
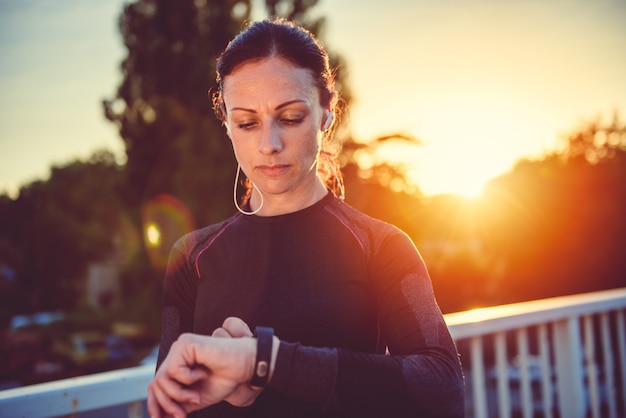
pixel 194 242
pixel 371 232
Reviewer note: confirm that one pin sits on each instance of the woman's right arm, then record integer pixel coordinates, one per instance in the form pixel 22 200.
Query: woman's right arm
pixel 178 300
pixel 178 308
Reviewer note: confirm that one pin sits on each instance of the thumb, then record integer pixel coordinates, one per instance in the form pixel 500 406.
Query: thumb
pixel 236 327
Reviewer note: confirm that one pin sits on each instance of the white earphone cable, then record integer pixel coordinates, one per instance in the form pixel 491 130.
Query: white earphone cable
pixel 235 195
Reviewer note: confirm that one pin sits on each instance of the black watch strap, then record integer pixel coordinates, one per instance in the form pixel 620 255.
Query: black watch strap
pixel 264 340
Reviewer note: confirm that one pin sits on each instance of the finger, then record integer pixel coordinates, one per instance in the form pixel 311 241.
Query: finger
pixel 197 374
pixel 221 333
pixel 236 327
pixel 177 387
pixel 162 402
pixel 154 410
pixel 173 375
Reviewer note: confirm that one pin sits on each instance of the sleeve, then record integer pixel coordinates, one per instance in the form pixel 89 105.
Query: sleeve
pixel 421 375
pixel 178 301
pixel 178 307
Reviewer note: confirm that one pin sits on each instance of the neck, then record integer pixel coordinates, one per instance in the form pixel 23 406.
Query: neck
pixel 281 204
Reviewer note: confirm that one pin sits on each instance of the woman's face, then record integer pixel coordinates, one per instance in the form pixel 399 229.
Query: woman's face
pixel 274 120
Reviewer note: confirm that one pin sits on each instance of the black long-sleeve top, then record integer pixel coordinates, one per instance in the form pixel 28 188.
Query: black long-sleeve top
pixel 349 297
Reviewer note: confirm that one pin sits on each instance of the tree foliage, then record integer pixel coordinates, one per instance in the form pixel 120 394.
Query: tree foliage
pixel 174 147
pixel 174 144
pixel 50 233
pixel 549 227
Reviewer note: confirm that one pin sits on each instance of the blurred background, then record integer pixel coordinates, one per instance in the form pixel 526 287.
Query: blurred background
pixel 491 132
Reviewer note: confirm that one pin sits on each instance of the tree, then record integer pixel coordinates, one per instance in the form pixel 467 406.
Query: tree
pixel 549 227
pixel 54 229
pixel 174 143
pixel 558 223
pixel 379 188
pixel 176 152
pixel 596 142
pixel 180 166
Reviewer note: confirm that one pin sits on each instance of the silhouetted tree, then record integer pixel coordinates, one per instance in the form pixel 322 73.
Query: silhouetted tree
pixel 549 227
pixel 173 142
pixel 378 187
pixel 177 151
pixel 558 224
pixel 54 229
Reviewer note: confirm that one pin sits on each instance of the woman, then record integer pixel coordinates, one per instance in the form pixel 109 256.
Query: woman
pixel 346 321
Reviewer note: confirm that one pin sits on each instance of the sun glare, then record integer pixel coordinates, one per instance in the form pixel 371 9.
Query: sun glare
pixel 462 179
pixel 448 173
pixel 468 138
pixel 468 187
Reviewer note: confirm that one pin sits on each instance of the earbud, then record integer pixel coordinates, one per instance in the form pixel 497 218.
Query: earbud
pixel 329 120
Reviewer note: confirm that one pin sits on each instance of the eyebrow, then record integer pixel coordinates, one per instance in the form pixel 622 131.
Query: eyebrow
pixel 280 106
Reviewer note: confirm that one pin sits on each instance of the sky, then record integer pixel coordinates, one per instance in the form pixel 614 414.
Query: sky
pixel 481 83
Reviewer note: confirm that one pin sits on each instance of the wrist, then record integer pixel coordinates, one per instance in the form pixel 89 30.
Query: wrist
pixel 262 368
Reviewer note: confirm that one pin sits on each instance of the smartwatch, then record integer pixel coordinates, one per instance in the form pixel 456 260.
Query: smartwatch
pixel 264 340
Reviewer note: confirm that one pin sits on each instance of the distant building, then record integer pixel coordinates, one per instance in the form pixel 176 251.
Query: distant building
pixel 103 290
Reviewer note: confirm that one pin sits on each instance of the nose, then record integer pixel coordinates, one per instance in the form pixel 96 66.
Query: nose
pixel 270 141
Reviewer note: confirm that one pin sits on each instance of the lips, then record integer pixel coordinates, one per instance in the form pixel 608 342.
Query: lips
pixel 273 170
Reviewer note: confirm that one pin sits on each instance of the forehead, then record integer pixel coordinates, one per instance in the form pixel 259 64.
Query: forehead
pixel 269 80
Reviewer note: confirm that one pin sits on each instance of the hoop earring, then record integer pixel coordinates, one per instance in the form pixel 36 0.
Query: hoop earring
pixel 235 195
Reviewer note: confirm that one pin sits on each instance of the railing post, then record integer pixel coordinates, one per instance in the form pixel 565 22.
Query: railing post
pixel 569 368
pixel 502 366
pixel 546 374
pixel 591 366
pixel 478 378
pixel 135 409
pixel 524 368
pixel 609 368
pixel 621 340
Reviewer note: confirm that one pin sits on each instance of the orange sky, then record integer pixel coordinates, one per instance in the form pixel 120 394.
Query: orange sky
pixel 480 82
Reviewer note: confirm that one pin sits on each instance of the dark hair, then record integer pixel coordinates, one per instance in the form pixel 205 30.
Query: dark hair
pixel 282 38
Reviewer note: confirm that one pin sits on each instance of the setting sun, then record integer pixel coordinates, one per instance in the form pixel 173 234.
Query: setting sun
pixel 479 88
pixel 456 175
pixel 468 134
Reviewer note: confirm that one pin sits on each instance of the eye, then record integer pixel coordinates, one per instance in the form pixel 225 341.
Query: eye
pixel 291 118
pixel 291 121
pixel 246 126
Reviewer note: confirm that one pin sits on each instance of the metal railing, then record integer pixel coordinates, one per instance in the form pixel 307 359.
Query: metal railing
pixel 116 393
pixel 562 357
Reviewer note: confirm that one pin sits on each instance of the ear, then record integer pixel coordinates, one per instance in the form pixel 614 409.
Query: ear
pixel 219 108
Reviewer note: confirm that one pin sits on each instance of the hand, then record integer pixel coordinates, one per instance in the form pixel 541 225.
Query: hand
pixel 245 394
pixel 200 371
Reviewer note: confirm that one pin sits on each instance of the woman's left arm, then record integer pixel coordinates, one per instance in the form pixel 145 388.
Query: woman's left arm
pixel 422 374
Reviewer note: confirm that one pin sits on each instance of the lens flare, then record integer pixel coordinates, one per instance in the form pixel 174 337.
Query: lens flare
pixel 153 235
pixel 165 219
